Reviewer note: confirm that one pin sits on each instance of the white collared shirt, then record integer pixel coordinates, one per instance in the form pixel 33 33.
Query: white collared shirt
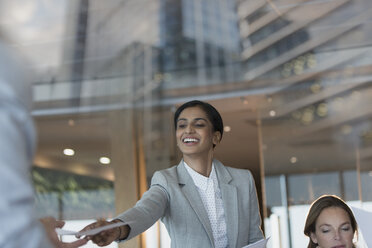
pixel 210 194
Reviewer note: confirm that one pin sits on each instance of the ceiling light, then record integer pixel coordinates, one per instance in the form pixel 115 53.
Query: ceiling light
pixel 71 122
pixel 104 160
pixel 315 88
pixel 293 160
pixel 307 116
pixel 227 129
pixel 272 113
pixel 322 110
pixel 68 152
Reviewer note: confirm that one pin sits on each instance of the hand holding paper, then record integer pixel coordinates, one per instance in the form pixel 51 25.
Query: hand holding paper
pixel 101 232
pixel 51 225
pixel 91 231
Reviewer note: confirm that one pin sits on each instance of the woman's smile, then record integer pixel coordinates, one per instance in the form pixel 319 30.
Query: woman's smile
pixel 190 140
pixel 194 132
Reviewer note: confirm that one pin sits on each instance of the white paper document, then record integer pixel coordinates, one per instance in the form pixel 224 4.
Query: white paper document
pixel 364 220
pixel 60 231
pixel 259 244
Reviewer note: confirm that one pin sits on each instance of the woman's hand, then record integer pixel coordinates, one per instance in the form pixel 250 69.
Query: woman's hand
pixel 50 224
pixel 108 236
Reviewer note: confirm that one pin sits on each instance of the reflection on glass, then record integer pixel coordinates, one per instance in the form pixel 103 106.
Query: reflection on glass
pixel 69 196
pixel 293 79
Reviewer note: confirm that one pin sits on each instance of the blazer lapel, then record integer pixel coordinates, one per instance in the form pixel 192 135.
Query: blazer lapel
pixel 230 199
pixel 192 195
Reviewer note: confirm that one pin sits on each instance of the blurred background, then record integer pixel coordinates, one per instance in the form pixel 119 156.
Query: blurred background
pixel 291 78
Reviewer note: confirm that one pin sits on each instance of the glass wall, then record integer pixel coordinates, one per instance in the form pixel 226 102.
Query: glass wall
pixel 290 78
pixel 313 57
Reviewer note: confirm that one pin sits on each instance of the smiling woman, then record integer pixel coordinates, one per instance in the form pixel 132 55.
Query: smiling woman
pixel 201 202
pixel 197 132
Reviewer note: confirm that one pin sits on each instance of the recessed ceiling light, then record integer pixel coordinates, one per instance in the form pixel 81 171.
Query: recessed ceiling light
pixel 104 160
pixel 227 129
pixel 315 88
pixel 293 160
pixel 272 113
pixel 68 152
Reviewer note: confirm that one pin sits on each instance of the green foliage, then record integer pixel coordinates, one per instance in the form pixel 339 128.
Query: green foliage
pixel 70 196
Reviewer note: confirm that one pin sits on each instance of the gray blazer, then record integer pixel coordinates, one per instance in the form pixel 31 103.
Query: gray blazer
pixel 174 198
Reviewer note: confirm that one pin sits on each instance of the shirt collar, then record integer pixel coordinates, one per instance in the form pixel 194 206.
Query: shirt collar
pixel 201 181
